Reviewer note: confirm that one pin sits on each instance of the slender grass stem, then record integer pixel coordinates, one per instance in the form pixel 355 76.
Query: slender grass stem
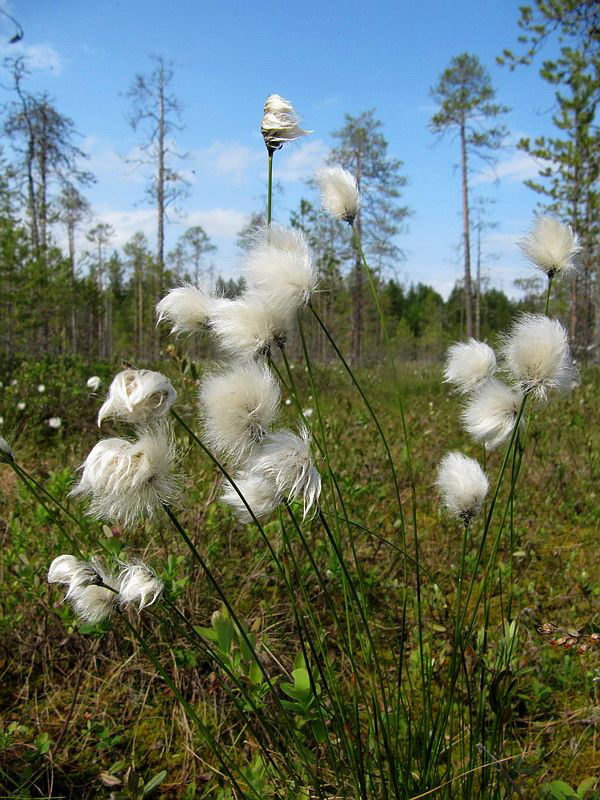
pixel 548 292
pixel 270 187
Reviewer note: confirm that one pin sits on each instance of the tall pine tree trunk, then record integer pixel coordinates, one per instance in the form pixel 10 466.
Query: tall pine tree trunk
pixel 466 233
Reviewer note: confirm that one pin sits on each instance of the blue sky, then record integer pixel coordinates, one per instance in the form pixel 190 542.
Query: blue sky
pixel 328 58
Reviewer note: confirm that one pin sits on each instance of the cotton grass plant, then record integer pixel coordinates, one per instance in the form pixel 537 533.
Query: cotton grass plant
pixel 346 711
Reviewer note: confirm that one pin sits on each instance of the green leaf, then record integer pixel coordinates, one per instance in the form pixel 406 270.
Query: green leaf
pixel 207 633
pixel 155 782
pixel 586 785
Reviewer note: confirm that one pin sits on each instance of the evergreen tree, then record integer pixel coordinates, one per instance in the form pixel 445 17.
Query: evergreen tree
pixel 466 107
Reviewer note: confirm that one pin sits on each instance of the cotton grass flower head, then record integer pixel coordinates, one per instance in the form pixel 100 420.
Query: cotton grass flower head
pixel 94 383
pixel 238 405
pixel 86 582
pixel 551 246
pixel 187 309
pixel 469 364
pixel 6 451
pixel 129 480
pixel 41 388
pixel 491 413
pixel 54 423
pixel 280 265
pixel 339 193
pixel 462 484
pixel 21 406
pixel 138 395
pixel 249 326
pixel 259 491
pixel 280 123
pixel 537 355
pixel 139 585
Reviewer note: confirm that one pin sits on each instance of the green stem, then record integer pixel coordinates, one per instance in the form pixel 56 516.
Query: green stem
pixel 550 278
pixel 270 187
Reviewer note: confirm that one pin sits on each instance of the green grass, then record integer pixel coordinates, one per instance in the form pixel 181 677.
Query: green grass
pixel 81 704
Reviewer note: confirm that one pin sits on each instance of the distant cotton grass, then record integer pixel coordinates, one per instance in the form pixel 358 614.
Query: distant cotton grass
pixel 87 583
pixel 249 326
pixel 339 193
pixel 187 309
pixel 125 480
pixel 238 407
pixel 281 468
pixel 463 485
pixel 54 423
pixel 280 265
pixel 280 123
pixel 491 412
pixel 469 364
pixel 94 383
pixel 6 452
pixel 551 246
pixel 138 395
pixel 537 355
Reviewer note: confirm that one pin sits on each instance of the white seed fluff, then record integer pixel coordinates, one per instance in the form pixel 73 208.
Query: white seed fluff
pixel 339 192
pixel 139 585
pixel 259 491
pixel 551 246
pixel 537 355
pixel 491 412
pixel 280 122
pixel 54 423
pixel 469 364
pixel 238 406
pixel 280 265
pixel 94 383
pixel 138 395
pixel 91 601
pixel 187 309
pixel 128 480
pixel 6 451
pixel 249 326
pixel 462 484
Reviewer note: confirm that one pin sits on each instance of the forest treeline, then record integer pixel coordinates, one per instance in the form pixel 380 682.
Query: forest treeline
pixel 98 301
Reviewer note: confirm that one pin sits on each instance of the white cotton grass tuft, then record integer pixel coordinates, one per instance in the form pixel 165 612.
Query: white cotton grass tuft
pixel 138 395
pixel 462 484
pixel 139 585
pixel 41 388
pixel 339 193
pixel 6 451
pixel 537 355
pixel 249 326
pixel 238 405
pixel 259 491
pixel 551 246
pixel 86 582
pixel 54 423
pixel 94 383
pixel 280 265
pixel 129 480
pixel 280 123
pixel 187 309
pixel 469 364
pixel 491 412
pixel 21 406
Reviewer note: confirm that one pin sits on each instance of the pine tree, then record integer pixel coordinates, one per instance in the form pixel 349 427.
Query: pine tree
pixel 466 107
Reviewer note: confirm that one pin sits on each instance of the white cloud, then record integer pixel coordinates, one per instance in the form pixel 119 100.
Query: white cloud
pixel 105 162
pixel 296 163
pixel 229 160
pixel 37 56
pixel 219 223
pixel 514 169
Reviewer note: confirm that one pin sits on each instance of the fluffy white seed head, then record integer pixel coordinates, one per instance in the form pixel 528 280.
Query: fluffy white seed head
pixel 249 326
pixel 551 246
pixel 128 480
pixel 537 355
pixel 491 413
pixel 469 364
pixel 139 585
pixel 339 193
pixel 138 395
pixel 90 600
pixel 462 484
pixel 21 406
pixel 280 123
pixel 280 265
pixel 260 492
pixel 238 406
pixel 94 383
pixel 54 423
pixel 287 459
pixel 6 452
pixel 187 309
pixel 41 388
